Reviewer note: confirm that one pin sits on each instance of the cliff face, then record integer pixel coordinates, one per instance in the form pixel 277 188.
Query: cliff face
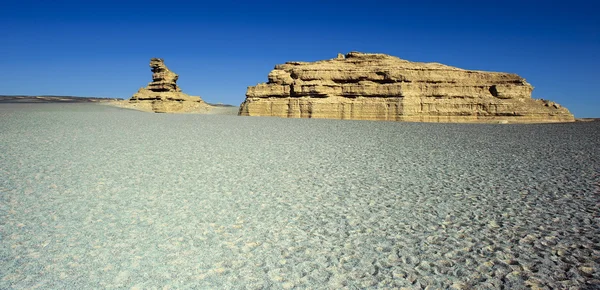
pixel 163 95
pixel 381 87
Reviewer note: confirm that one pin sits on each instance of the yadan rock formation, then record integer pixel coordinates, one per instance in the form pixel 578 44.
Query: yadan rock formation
pixel 163 95
pixel 365 86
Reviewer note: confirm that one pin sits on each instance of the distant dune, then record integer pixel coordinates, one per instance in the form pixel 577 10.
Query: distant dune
pixel 587 119
pixel 67 99
pixel 51 99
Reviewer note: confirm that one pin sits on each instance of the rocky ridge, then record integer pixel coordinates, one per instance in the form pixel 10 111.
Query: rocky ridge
pixel 365 86
pixel 163 95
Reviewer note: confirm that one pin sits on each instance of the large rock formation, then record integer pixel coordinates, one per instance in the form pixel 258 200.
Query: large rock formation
pixel 163 95
pixel 365 86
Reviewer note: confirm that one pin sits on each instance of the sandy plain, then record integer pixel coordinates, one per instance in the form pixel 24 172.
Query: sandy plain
pixel 93 196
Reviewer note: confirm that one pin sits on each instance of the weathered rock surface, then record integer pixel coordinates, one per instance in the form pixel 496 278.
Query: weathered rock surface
pixel 163 95
pixel 365 86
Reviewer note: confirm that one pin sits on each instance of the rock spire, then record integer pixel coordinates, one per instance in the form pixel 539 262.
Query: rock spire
pixel 162 95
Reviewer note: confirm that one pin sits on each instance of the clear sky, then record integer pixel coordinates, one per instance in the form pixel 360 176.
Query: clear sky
pixel 219 48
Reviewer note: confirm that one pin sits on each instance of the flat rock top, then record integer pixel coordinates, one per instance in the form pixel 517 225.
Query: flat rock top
pixel 372 60
pixel 383 68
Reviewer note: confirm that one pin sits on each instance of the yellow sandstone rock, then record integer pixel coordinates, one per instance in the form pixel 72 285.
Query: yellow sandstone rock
pixel 364 86
pixel 163 95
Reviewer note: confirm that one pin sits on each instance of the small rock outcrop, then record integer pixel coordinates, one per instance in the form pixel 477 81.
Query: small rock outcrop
pixel 365 86
pixel 163 95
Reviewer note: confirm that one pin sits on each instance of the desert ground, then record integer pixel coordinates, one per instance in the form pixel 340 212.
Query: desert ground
pixel 94 196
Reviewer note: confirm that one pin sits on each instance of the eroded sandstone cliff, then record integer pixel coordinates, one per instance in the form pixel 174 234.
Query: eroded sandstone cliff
pixel 365 86
pixel 163 95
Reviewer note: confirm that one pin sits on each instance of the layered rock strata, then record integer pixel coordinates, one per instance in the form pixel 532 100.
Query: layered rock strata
pixel 163 95
pixel 365 86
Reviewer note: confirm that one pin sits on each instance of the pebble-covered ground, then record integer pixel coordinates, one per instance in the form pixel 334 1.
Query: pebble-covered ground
pixel 98 197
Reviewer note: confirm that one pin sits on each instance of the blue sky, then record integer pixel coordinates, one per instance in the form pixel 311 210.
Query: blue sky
pixel 102 48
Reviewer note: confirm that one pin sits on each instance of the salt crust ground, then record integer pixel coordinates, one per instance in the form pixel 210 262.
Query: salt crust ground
pixel 93 196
